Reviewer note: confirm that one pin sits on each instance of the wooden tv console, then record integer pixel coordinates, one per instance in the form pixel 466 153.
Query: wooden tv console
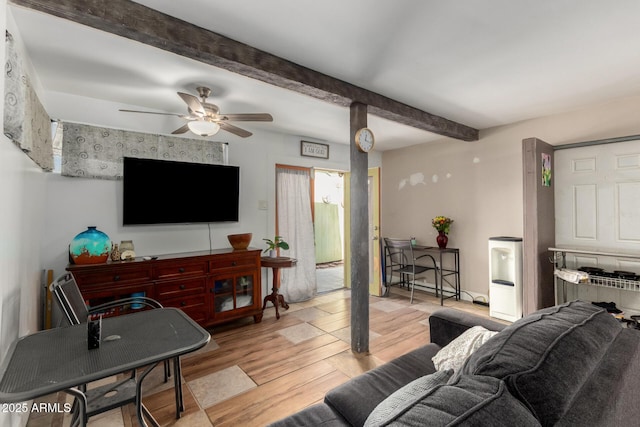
pixel 210 286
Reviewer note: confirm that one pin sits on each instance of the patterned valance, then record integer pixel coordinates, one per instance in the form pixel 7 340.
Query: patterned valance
pixel 97 152
pixel 26 122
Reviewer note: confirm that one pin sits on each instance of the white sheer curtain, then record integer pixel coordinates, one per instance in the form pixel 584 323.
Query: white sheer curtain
pixel 295 225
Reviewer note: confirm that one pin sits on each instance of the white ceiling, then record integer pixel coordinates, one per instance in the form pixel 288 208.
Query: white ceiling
pixel 481 63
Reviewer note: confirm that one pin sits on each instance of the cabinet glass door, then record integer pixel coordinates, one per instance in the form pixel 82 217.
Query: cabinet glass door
pixel 223 290
pixel 244 291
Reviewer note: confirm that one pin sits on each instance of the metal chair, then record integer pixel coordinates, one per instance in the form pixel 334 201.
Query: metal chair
pixel 400 259
pixel 70 309
pixel 72 305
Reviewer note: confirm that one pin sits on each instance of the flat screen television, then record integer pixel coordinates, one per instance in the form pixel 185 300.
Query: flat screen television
pixel 170 192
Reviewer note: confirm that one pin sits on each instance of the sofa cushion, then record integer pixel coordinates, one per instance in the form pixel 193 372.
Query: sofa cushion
pixel 405 397
pixel 469 400
pixel 610 396
pixel 454 354
pixel 547 357
pixel 355 399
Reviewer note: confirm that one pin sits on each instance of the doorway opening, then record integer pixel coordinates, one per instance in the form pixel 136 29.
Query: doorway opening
pixel 329 229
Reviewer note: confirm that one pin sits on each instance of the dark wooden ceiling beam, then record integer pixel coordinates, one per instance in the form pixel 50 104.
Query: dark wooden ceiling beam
pixel 137 22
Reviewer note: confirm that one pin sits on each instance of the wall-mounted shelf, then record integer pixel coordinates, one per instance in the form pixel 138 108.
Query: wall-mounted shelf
pixel 612 282
pixel 559 260
pixel 589 251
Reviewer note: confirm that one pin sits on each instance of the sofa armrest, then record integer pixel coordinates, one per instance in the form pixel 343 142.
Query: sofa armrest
pixel 447 324
pixel 357 398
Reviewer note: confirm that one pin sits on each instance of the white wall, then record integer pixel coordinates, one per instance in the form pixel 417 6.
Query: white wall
pixel 480 183
pixel 21 220
pixel 477 184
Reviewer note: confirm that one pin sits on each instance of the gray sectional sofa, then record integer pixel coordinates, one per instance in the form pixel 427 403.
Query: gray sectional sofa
pixel 568 365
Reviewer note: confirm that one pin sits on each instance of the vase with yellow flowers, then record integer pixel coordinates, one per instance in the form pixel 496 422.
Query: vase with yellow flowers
pixel 442 224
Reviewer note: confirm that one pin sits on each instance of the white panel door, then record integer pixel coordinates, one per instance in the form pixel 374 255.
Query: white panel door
pixel 597 202
pixel 597 197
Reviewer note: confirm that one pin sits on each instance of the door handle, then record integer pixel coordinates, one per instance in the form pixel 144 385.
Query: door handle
pixel 375 238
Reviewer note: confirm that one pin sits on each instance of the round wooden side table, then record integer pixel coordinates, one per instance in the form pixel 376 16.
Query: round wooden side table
pixel 276 263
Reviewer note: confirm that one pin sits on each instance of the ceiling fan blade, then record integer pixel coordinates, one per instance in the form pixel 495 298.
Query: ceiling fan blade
pixel 182 116
pixel 248 117
pixel 180 130
pixel 234 129
pixel 193 103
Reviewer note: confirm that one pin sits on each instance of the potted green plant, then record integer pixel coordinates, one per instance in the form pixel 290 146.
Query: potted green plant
pixel 272 245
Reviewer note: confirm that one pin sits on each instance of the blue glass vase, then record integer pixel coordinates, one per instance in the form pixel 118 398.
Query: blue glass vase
pixel 92 246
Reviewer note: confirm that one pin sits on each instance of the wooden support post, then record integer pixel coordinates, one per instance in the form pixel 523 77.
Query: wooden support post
pixel 539 229
pixel 359 235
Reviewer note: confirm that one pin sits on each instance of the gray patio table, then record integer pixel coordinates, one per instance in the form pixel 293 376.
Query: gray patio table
pixel 58 359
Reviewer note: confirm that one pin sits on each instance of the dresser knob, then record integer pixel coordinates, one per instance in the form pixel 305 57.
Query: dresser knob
pixel 234 263
pixel 182 286
pixel 181 270
pixel 183 303
pixel 116 278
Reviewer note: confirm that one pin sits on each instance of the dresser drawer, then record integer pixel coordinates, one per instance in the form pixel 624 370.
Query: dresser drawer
pixel 168 270
pixel 180 288
pixel 194 306
pixel 109 277
pixel 223 262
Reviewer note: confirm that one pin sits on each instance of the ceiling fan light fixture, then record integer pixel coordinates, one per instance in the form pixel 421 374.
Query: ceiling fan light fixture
pixel 204 119
pixel 203 128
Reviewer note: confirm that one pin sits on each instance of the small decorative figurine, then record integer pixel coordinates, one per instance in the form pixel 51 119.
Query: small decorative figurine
pixel 115 253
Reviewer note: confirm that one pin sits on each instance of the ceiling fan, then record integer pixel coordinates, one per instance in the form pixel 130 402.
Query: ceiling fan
pixel 205 119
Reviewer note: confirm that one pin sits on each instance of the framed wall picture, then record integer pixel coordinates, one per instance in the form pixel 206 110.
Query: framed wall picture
pixel 314 149
pixel 546 170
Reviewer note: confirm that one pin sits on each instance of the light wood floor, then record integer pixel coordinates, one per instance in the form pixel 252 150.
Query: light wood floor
pixel 284 365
